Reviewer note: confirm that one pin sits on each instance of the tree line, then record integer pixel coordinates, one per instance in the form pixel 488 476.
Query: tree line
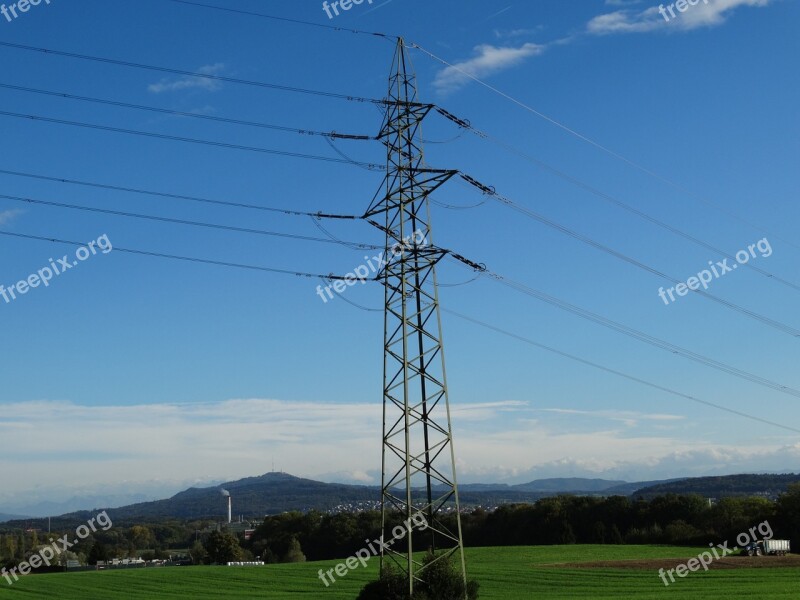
pixel 673 519
pixel 294 536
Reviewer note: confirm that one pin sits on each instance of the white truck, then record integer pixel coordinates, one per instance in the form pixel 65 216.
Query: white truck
pixel 767 547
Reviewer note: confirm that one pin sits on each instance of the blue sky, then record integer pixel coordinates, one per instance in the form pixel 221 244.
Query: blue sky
pixel 132 373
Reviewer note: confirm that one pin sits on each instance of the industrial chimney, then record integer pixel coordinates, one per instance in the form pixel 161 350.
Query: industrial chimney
pixel 230 504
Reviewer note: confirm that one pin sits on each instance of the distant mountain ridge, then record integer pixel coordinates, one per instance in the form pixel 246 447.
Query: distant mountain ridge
pixel 767 485
pixel 572 484
pixel 565 485
pixel 77 503
pixel 4 517
pixel 272 493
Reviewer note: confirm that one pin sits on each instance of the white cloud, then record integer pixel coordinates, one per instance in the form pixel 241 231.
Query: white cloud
pixel 626 21
pixel 707 13
pixel 6 216
pixel 698 462
pixel 147 448
pixel 189 82
pixel 488 60
pixel 90 446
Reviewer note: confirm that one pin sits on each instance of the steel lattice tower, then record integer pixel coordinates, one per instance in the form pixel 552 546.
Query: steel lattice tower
pixel 419 474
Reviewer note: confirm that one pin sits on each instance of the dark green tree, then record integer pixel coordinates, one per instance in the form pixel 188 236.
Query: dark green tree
pixel 294 554
pixel 788 521
pixel 198 553
pixel 98 552
pixel 222 548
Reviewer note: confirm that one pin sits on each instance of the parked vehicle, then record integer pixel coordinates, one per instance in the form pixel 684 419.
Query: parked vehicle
pixel 767 548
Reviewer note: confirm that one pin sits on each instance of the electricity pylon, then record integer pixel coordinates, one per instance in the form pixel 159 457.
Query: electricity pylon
pixel 419 471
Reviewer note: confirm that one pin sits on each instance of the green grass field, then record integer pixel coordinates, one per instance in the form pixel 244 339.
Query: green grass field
pixel 518 573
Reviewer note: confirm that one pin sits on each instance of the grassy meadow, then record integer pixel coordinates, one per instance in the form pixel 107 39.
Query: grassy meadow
pixel 508 573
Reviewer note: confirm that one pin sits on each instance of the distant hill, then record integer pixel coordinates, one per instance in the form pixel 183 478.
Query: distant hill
pixel 4 518
pixel 272 493
pixel 768 486
pixel 572 484
pixel 568 485
pixel 256 497
pixel 629 489
pixel 253 497
pixel 76 503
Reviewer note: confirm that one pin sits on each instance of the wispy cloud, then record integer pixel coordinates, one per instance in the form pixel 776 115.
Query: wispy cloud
pixel 626 20
pixel 6 216
pixel 503 34
pixel 628 417
pixel 488 60
pixel 189 82
pixel 101 447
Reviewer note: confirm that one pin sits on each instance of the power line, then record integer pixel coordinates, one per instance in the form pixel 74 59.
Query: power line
pixel 641 336
pixel 454 207
pixel 778 325
pixel 331 134
pixel 176 257
pixel 615 372
pixel 285 211
pixel 461 283
pixel 344 156
pixel 485 189
pixel 595 365
pixel 175 138
pixel 464 124
pixel 530 109
pixel 351 303
pixel 333 238
pixel 209 76
pixel 665 345
pixel 620 328
pixel 601 147
pixel 284 19
pixel 118 213
pixel 549 299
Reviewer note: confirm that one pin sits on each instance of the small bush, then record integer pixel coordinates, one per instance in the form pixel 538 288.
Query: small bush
pixel 442 581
